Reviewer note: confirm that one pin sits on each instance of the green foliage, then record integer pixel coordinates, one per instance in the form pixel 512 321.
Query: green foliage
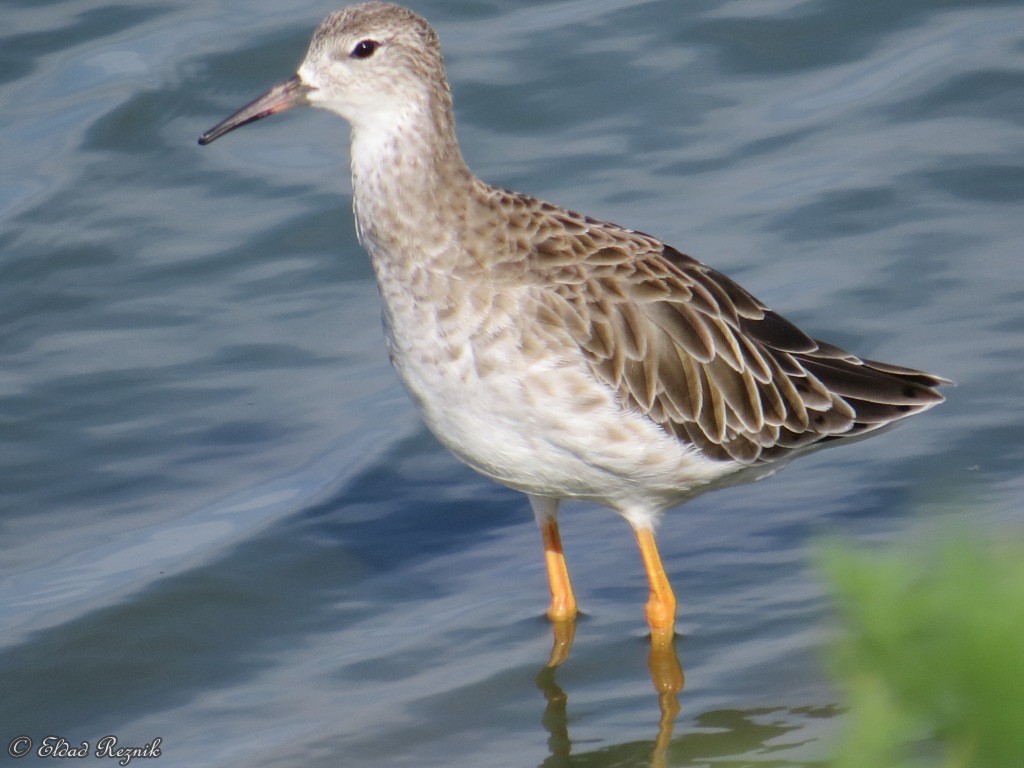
pixel 932 662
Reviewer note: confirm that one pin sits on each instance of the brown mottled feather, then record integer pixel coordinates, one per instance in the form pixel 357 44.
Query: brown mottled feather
pixel 699 355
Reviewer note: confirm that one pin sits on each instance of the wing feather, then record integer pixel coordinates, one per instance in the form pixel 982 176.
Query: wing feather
pixel 703 358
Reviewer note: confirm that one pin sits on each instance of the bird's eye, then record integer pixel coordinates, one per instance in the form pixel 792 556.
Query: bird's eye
pixel 364 49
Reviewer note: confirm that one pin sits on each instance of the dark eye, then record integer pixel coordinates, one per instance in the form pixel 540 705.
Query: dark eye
pixel 364 49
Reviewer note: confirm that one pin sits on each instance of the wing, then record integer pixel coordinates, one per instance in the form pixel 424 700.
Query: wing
pixel 698 355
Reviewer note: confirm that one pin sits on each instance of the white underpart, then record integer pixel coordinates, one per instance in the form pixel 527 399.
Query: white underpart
pixel 529 416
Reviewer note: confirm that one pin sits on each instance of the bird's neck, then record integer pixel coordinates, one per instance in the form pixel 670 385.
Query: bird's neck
pixel 410 184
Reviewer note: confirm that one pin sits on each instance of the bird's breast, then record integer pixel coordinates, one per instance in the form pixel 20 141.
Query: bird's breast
pixel 516 401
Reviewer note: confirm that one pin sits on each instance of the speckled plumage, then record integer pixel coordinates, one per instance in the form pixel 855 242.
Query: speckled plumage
pixel 560 355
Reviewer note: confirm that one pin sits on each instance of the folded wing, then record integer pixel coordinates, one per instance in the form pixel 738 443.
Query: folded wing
pixel 697 354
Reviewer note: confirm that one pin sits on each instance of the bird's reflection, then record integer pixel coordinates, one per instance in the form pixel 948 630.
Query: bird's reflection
pixel 563 633
pixel 668 679
pixel 556 720
pixel 666 675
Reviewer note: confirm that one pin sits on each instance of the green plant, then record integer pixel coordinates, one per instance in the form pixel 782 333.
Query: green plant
pixel 932 662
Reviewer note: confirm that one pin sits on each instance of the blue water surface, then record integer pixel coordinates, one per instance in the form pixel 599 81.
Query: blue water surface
pixel 222 523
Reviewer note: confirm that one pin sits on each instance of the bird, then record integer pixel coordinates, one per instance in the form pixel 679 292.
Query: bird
pixel 562 355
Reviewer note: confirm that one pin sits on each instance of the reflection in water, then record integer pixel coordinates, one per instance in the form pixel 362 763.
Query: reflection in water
pixel 756 736
pixel 666 675
pixel 556 720
pixel 564 632
pixel 668 679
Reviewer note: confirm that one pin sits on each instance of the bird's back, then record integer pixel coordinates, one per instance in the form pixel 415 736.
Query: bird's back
pixel 687 346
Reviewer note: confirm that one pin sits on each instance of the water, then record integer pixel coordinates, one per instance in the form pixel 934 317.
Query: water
pixel 221 522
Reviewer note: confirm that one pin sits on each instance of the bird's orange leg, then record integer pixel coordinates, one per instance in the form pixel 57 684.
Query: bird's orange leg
pixel 661 606
pixel 563 601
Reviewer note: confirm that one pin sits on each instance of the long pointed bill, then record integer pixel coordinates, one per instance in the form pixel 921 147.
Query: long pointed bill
pixel 290 93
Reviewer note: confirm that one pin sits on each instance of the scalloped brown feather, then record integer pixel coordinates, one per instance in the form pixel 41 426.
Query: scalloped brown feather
pixel 692 350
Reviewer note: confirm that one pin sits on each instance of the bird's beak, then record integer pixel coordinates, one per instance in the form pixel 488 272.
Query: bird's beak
pixel 291 93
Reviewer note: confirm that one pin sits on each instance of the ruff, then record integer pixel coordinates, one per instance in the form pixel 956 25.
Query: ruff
pixel 557 354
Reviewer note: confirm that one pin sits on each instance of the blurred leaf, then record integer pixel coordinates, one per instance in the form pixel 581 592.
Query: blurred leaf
pixel 933 660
